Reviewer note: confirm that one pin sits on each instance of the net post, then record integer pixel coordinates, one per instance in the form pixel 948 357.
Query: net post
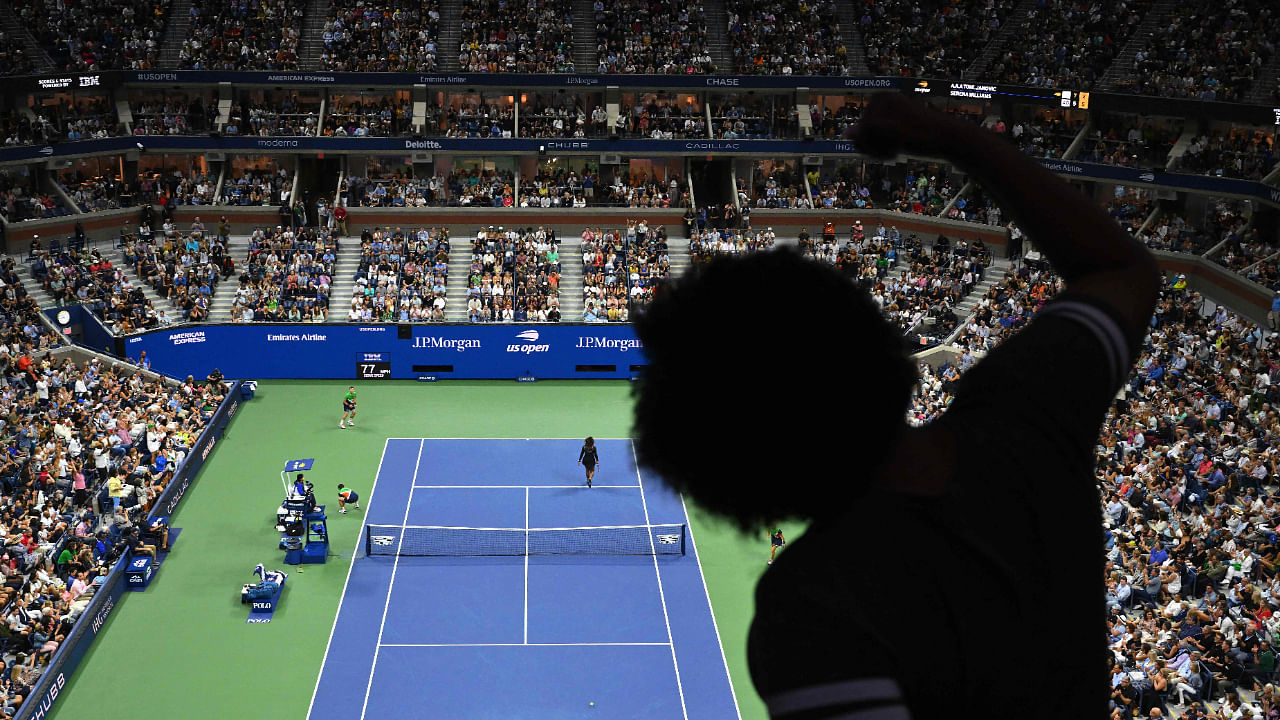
pixel 682 534
pixel 368 541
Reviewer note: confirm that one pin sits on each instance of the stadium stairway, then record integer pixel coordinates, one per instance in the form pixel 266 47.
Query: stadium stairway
pixel 175 33
pixel 678 255
pixel 33 286
pixel 343 283
pixel 584 36
pixel 571 305
pixel 14 29
pixel 455 305
pixel 856 52
pixel 450 40
pixel 1264 89
pixel 993 49
pixel 311 44
pixel 1122 67
pixel 992 277
pixel 718 36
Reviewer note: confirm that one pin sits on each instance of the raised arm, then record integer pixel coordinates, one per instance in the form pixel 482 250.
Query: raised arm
pixel 1085 246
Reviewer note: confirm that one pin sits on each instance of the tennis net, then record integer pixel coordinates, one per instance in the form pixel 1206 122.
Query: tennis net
pixel 429 540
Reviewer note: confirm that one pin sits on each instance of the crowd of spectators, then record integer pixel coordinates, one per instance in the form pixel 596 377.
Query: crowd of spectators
pixel 17 129
pixel 558 187
pixel 14 59
pixel 776 187
pixel 834 123
pixel 183 268
pixel 794 37
pixel 73 276
pixel 402 276
pixel 1172 232
pixel 709 243
pixel 357 118
pixel 909 38
pixel 1206 50
pixel 1067 44
pixel 256 186
pixel 20 200
pixel 1130 207
pixel 85 119
pixel 652 37
pixel 621 269
pixel 917 287
pixel 1241 154
pixel 1187 470
pixel 173 116
pixel 480 120
pixel 514 275
pixel 661 119
pixel 563 121
pixel 92 35
pixel 286 276
pixel 1043 135
pixel 1245 250
pixel 759 119
pixel 387 36
pixel 90 446
pixel 920 190
pixel 498 36
pixel 1129 141
pixel 95 193
pixel 261 35
pixel 288 117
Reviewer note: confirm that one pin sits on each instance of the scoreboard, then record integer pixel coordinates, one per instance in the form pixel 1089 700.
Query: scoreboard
pixel 983 91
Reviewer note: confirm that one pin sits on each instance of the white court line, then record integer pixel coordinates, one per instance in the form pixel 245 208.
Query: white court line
pixel 599 644
pixel 661 595
pixel 390 586
pixel 516 487
pixel 710 609
pixel 368 503
pixel 526 566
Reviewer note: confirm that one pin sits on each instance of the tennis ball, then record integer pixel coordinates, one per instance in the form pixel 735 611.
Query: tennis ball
pixel 592 704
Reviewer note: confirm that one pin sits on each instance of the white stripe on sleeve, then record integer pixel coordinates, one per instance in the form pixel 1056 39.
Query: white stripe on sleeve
pixel 834 694
pixel 1109 334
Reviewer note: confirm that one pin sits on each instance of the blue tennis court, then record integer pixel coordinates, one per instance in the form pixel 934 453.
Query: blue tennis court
pixel 522 636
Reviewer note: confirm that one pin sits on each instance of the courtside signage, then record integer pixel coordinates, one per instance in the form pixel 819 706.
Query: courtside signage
pixel 497 351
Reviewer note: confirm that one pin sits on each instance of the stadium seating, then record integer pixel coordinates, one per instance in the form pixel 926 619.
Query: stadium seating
pixel 402 276
pixel 514 276
pixel 905 37
pixel 240 36
pixel 795 37
pixel 20 200
pixel 286 277
pixel 1206 50
pixel 538 39
pixel 382 36
pixel 652 37
pixel 14 60
pixel 1066 44
pixel 90 35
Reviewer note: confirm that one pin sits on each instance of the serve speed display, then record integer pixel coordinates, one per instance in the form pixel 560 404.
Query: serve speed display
pixel 373 366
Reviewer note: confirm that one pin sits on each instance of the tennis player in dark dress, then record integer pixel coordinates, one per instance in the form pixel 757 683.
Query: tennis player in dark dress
pixel 589 458
pixel 932 553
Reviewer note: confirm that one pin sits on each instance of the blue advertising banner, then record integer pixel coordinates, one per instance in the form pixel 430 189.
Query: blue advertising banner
pixel 72 651
pixel 92 332
pixel 351 351
pixel 405 145
pixel 584 81
pixel 1137 177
